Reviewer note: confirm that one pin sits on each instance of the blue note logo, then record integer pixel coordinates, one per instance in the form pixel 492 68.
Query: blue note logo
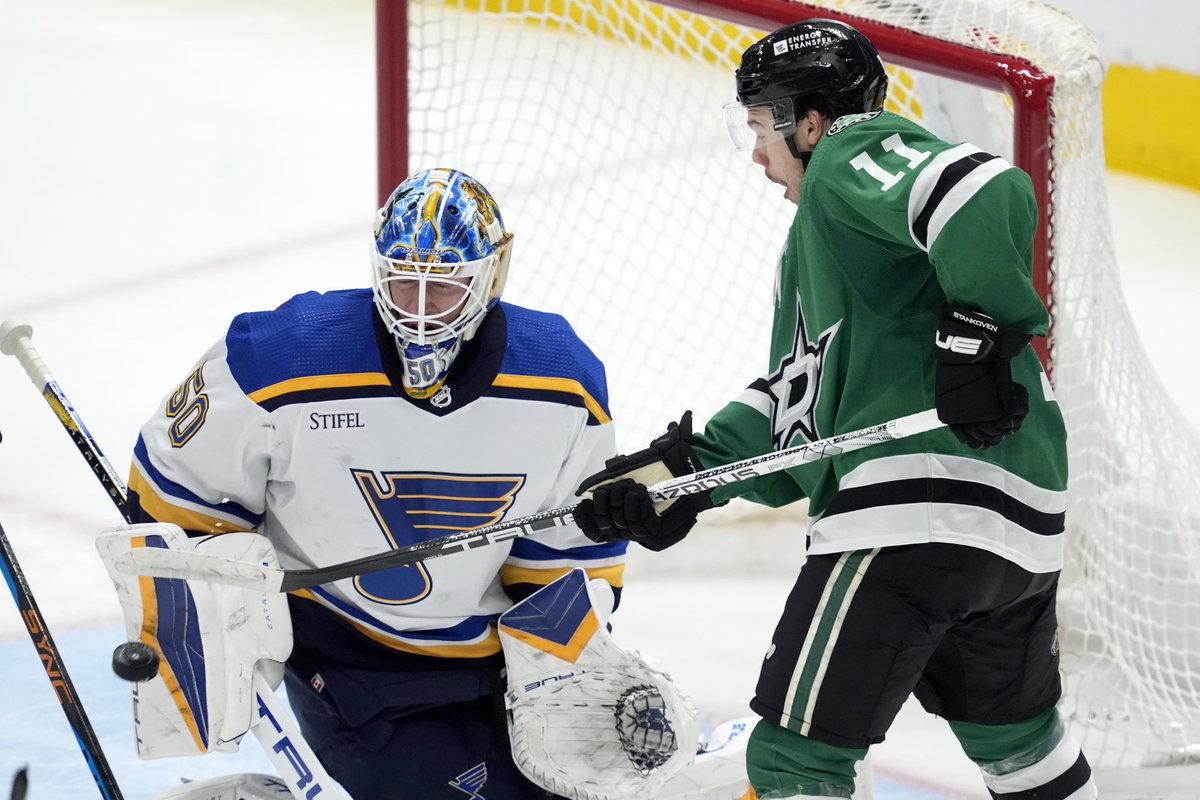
pixel 414 507
pixel 471 781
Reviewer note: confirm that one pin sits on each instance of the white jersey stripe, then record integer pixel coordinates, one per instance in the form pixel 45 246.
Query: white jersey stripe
pixel 959 468
pixel 945 523
pixel 758 400
pixel 927 180
pixel 963 191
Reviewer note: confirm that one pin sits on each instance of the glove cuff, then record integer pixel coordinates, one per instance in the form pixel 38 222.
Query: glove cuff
pixel 965 336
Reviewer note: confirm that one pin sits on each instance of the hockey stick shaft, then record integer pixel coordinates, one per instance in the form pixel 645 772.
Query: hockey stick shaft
pixel 164 563
pixel 64 689
pixel 15 336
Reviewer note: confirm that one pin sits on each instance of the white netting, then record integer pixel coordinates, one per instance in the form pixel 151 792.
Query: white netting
pixel 597 127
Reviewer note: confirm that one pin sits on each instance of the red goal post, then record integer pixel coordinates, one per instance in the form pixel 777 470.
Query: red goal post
pixel 596 123
pixel 1029 87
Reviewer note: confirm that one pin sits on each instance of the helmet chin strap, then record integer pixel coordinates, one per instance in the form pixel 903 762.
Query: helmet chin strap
pixel 803 155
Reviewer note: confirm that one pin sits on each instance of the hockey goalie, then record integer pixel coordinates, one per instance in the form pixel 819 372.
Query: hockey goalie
pixel 587 719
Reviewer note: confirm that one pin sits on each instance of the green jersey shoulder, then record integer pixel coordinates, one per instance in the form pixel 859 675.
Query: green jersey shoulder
pixel 896 181
pixel 842 123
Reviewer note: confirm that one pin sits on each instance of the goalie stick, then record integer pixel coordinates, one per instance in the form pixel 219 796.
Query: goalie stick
pixel 279 736
pixel 14 341
pixel 188 565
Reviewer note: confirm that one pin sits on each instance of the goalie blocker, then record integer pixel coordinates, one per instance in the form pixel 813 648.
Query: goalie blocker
pixel 220 655
pixel 209 639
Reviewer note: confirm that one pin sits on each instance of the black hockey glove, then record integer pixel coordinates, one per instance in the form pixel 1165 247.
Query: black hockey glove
pixel 976 395
pixel 620 507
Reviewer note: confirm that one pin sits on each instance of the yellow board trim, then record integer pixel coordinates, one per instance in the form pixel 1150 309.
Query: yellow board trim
pixel 1150 119
pixel 565 385
pixel 1149 114
pixel 651 26
pixel 341 381
pixel 163 511
pixel 569 652
pixel 615 575
pixel 149 636
pixel 488 647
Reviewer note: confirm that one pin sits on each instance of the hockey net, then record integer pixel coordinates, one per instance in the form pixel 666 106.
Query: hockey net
pixel 597 126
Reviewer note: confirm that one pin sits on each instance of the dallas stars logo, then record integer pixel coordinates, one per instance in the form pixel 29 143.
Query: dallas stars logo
pixel 796 385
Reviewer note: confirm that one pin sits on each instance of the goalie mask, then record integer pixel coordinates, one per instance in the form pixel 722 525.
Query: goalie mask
pixel 819 63
pixel 440 258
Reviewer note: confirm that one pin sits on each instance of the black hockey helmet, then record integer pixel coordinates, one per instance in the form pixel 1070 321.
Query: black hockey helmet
pixel 818 63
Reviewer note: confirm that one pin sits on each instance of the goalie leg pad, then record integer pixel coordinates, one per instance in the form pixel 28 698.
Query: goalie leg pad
pixel 589 720
pixel 209 639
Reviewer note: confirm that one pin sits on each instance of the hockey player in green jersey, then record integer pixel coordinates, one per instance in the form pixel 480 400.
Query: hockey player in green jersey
pixel 933 561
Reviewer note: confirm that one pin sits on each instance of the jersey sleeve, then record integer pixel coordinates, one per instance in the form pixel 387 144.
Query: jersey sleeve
pixel 201 460
pixel 973 215
pixel 742 429
pixel 537 560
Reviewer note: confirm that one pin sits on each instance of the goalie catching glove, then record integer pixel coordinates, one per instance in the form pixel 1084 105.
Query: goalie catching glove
pixel 976 396
pixel 621 508
pixel 589 720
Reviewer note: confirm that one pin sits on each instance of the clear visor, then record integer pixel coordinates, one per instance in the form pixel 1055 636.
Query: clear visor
pixel 750 127
pixel 427 302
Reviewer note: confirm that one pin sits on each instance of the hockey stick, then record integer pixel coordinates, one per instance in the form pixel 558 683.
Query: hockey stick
pixel 64 689
pixel 14 341
pixel 162 563
pixel 20 784
pixel 281 740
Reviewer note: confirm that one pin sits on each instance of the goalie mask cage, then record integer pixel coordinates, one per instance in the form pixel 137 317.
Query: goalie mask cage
pixel 597 125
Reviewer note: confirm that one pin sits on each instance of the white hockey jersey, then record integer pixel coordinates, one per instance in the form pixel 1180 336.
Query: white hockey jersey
pixel 296 425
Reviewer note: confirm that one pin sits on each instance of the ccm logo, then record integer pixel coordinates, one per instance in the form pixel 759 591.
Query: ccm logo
pixel 960 344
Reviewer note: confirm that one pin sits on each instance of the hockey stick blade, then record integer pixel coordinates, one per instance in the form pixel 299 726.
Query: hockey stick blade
pixel 20 784
pixel 194 564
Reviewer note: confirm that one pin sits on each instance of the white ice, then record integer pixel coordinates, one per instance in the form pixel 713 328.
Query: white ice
pixel 167 164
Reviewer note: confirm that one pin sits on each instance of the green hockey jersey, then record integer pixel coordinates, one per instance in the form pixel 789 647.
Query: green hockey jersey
pixel 891 223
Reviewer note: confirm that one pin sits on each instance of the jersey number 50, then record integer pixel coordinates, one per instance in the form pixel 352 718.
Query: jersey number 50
pixel 187 406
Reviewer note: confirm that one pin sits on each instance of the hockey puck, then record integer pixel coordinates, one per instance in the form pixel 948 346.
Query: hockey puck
pixel 135 662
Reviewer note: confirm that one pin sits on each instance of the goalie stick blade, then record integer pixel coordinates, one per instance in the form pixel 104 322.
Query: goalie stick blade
pixel 191 565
